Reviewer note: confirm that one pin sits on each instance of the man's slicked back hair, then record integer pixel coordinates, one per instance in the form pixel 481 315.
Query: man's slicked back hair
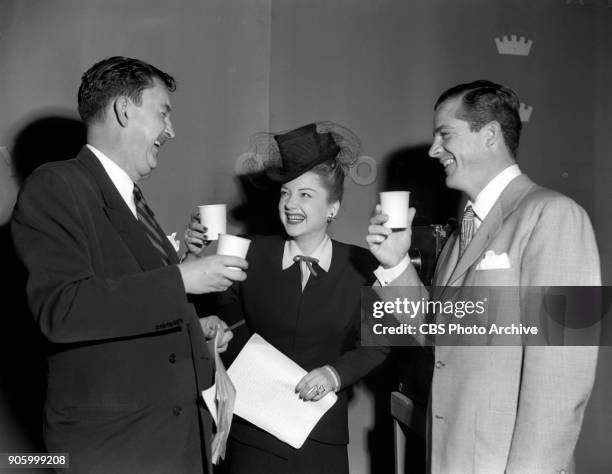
pixel 114 77
pixel 484 101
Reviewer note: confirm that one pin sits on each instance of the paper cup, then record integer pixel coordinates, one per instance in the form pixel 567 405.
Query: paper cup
pixel 233 245
pixel 213 217
pixel 395 204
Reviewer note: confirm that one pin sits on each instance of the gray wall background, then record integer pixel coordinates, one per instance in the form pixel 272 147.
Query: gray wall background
pixel 376 66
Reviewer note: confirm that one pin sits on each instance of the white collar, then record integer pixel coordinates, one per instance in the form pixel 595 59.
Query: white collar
pixel 323 253
pixel 491 192
pixel 118 176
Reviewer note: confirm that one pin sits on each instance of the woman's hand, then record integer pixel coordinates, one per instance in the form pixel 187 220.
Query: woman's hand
pixel 195 235
pixel 315 384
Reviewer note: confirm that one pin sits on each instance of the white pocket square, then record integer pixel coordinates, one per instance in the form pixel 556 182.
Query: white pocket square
pixel 175 243
pixel 492 261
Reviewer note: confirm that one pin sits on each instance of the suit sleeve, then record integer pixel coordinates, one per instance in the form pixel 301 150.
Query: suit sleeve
pixel 556 381
pixel 358 360
pixel 70 302
pixel 407 285
pixel 228 305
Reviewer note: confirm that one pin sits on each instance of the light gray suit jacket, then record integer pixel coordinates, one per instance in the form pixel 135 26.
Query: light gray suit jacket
pixel 514 409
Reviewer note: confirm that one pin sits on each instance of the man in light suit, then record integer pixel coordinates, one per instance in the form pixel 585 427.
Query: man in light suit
pixel 127 353
pixel 499 409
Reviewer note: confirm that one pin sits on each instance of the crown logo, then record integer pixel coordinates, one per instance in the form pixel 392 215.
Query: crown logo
pixel 520 47
pixel 525 112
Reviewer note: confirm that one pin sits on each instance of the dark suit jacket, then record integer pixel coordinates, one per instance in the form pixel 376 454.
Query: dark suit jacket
pixel 318 326
pixel 128 358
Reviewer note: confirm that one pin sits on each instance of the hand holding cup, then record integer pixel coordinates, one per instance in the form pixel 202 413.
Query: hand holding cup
pixel 233 245
pixel 396 204
pixel 387 246
pixel 212 273
pixel 195 235
pixel 214 218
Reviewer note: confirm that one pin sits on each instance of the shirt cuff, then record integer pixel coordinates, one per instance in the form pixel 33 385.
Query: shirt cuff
pixel 335 377
pixel 386 275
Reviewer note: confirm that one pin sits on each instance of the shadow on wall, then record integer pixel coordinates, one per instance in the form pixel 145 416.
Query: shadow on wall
pixel 259 208
pixel 22 347
pixel 412 169
pixel 409 369
pixel 47 139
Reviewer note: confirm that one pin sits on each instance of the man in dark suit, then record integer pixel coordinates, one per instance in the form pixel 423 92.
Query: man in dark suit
pixel 127 354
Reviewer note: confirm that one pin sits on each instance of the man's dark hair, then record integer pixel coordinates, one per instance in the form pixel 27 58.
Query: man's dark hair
pixel 114 77
pixel 484 101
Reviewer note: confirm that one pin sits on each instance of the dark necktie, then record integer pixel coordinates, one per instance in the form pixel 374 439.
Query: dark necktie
pixel 151 227
pixel 309 261
pixel 467 230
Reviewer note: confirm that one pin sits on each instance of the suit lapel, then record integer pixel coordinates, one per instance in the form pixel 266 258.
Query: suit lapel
pixel 505 204
pixel 447 261
pixel 120 215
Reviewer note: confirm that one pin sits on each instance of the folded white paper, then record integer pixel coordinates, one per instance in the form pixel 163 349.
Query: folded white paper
pixel 265 381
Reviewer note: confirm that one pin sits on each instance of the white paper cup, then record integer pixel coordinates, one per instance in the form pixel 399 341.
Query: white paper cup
pixel 233 245
pixel 213 217
pixel 395 204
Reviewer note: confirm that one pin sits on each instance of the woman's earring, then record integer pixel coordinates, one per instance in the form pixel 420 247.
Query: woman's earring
pixel 330 218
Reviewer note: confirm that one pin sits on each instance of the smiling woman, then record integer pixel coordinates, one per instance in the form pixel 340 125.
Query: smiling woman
pixel 302 294
pixel 312 171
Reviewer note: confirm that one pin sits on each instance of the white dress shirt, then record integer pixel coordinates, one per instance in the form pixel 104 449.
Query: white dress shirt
pixel 323 253
pixel 490 193
pixel 119 177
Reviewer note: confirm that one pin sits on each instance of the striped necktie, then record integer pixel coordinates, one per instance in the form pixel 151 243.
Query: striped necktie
pixel 467 230
pixel 151 227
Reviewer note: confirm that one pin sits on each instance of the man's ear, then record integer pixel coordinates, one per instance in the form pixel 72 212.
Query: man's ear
pixel 120 110
pixel 492 134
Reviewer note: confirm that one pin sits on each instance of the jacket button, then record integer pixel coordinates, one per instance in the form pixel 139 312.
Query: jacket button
pixel 177 410
pixel 440 364
pixel 172 358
